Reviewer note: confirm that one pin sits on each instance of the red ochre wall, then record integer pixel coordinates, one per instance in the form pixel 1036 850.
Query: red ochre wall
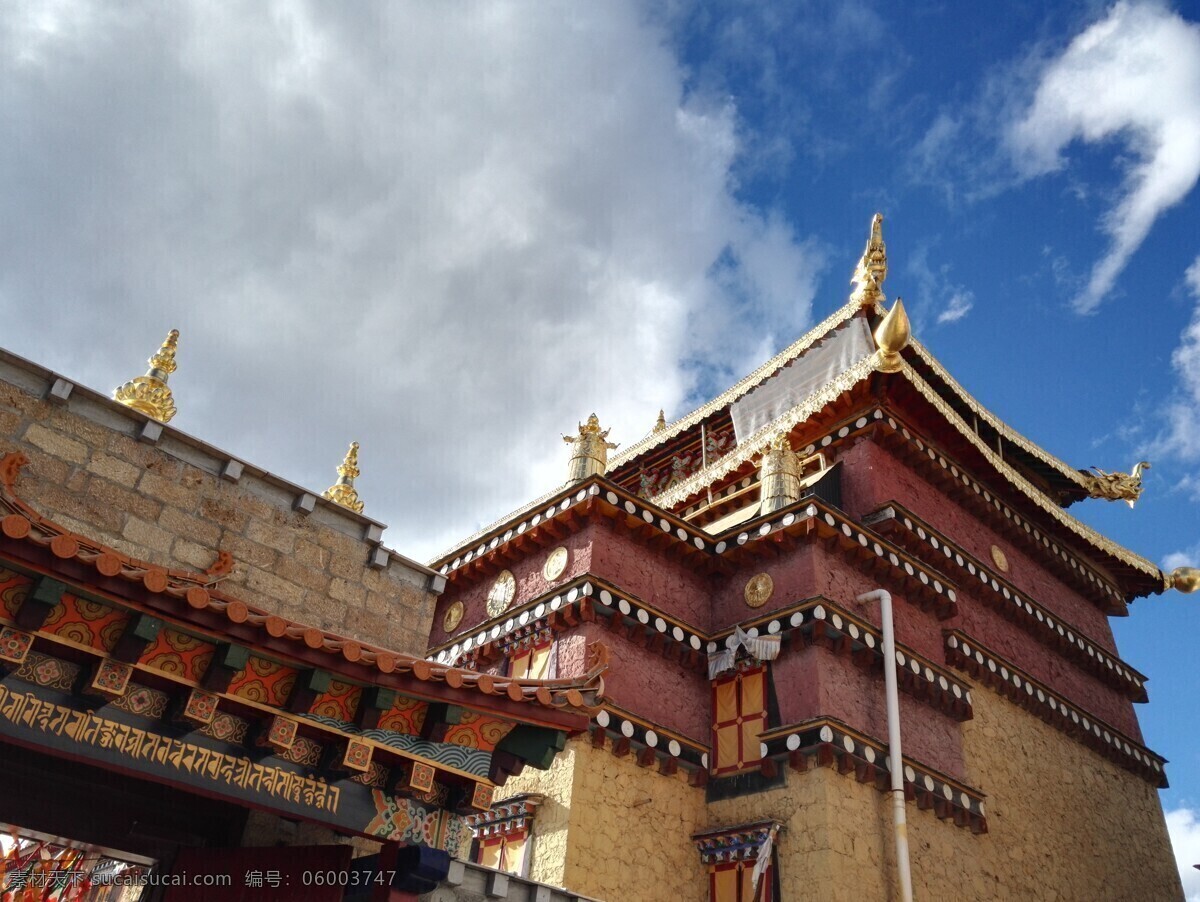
pixel 599 549
pixel 661 691
pixel 815 682
pixel 530 584
pixel 671 585
pixel 877 477
pixel 652 686
pixel 874 477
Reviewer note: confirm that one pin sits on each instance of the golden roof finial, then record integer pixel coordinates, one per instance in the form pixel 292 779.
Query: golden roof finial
pixel 589 450
pixel 149 394
pixel 343 492
pixel 872 268
pixel 891 337
pixel 1184 579
pixel 661 423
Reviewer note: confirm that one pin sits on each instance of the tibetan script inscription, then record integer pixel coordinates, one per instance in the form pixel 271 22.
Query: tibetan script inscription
pixel 29 711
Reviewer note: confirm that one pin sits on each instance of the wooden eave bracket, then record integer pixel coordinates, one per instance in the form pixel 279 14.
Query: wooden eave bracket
pixel 44 596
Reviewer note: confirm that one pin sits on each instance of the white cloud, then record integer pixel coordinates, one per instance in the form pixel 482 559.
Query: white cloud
pixel 1189 557
pixel 957 307
pixel 936 291
pixel 447 232
pixel 1135 75
pixel 1182 436
pixel 1184 826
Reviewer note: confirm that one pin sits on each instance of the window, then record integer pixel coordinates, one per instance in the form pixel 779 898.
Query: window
pixel 502 834
pixel 731 855
pixel 505 852
pixel 535 662
pixel 739 716
pixel 734 882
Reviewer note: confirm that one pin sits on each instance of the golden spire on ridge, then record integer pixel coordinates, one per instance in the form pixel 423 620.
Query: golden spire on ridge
pixel 343 492
pixel 149 394
pixel 589 450
pixel 872 268
pixel 661 423
pixel 891 337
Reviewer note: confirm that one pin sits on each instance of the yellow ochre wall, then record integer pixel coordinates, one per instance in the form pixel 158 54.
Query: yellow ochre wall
pixel 1064 824
pixel 612 830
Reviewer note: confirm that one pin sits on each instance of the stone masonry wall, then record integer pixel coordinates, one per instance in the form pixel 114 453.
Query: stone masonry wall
pixel 613 830
pixel 166 501
pixel 552 825
pixel 1064 824
pixel 631 831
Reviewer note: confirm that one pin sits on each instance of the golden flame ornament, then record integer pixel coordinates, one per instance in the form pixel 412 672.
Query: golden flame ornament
pixel 891 337
pixel 149 394
pixel 343 492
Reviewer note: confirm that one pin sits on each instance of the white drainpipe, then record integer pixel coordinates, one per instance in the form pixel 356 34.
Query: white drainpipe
pixel 895 756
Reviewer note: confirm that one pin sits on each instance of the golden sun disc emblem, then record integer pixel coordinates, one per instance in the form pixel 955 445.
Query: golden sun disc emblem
pixel 556 563
pixel 999 558
pixel 454 616
pixel 759 589
pixel 501 595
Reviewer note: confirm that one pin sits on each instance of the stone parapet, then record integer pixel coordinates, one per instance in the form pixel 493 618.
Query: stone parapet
pixel 160 495
pixel 473 883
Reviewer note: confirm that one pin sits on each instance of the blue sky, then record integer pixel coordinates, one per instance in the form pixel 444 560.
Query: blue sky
pixel 450 233
pixel 1003 199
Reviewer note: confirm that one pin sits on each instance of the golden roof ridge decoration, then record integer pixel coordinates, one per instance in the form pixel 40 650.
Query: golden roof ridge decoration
pixel 778 475
pixel 1082 530
pixel 871 269
pixel 343 492
pixel 1182 579
pixel 847 380
pixel 149 394
pixel 661 423
pixel 840 316
pixel 752 447
pixel 1125 487
pixel 992 420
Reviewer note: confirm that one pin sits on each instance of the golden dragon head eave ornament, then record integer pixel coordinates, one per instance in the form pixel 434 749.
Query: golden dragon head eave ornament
pixel 343 492
pixel 149 394
pixel 1125 487
pixel 872 268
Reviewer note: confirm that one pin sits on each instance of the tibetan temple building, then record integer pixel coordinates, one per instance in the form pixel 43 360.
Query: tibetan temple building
pixel 831 634
pixel 740 563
